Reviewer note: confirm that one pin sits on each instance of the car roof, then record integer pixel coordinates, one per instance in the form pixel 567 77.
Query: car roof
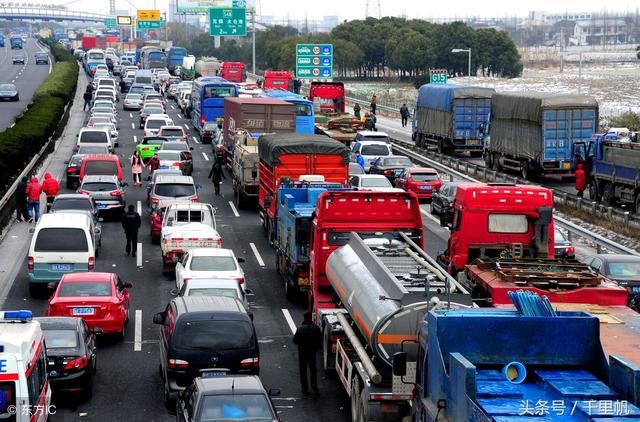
pixel 102 157
pixel 88 276
pixel 373 134
pixel 158 117
pixel 208 304
pixel 421 169
pixel 171 127
pixel 174 179
pixel 371 176
pixel 617 257
pixel 53 323
pixel 63 219
pixel 236 384
pixel 90 129
pixel 100 178
pixel 211 252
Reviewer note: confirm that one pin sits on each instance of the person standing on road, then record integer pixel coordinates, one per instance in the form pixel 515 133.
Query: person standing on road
pixel 131 223
pixel 356 111
pixel 153 165
pixel 216 175
pixel 34 190
pixel 87 99
pixel 368 121
pixel 50 187
pixel 308 338
pixel 374 104
pixel 360 160
pixel 404 114
pixel 21 201
pixel 123 86
pixel 581 180
pixel 136 169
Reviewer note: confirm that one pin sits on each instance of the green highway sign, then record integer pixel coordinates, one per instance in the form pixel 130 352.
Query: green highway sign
pixel 239 3
pixel 438 76
pixel 150 24
pixel 228 21
pixel 110 22
pixel 314 61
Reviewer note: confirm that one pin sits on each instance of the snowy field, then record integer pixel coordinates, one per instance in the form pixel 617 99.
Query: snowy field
pixel 615 86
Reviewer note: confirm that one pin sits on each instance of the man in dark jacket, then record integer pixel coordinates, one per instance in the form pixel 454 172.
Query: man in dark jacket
pixel 123 86
pixel 131 223
pixel 308 338
pixel 404 114
pixel 21 201
pixel 216 174
pixel 87 98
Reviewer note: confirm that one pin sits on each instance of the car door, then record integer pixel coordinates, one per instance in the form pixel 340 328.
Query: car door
pixel 90 343
pixel 401 180
pixel 186 404
pixel 181 268
pixel 186 163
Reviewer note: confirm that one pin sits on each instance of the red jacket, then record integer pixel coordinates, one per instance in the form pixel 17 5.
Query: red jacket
pixel 50 186
pixel 581 179
pixel 34 190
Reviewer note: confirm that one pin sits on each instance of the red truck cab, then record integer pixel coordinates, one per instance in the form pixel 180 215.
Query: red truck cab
pixel 372 215
pixel 232 71
pixel 329 95
pixel 499 221
pixel 277 79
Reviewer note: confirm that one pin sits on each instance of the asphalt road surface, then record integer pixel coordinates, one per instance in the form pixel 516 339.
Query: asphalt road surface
pixel 27 78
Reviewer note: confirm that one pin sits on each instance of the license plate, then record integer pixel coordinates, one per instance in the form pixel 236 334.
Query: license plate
pixel 164 167
pixel 397 172
pixel 427 187
pixel 101 206
pixel 473 142
pixel 83 311
pixel 303 281
pixel 61 267
pixel 566 166
pixel 635 289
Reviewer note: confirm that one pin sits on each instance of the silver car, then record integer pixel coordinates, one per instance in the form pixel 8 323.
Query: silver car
pixel 132 102
pixel 174 187
pixel 106 191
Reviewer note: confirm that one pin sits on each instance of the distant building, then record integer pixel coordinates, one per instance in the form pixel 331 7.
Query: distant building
pixel 326 24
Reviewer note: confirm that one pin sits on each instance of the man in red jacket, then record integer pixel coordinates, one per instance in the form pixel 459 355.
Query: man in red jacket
pixel 581 180
pixel 51 187
pixel 34 190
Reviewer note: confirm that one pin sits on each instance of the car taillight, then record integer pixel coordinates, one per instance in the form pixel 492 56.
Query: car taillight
pixel 202 119
pixel 196 199
pixel 250 363
pixel 72 170
pixel 145 149
pixel 219 243
pixel 176 164
pixel 388 172
pixel 30 263
pixel 178 364
pixel 92 263
pixel 240 280
pixel 83 192
pixel 570 250
pixel 155 200
pixel 116 193
pixel 78 363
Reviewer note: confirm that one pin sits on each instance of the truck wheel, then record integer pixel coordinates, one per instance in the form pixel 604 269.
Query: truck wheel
pixel 496 162
pixel 362 412
pixel 475 154
pixel 525 170
pixel 355 399
pixel 595 191
pixel 638 204
pixel 328 358
pixel 607 195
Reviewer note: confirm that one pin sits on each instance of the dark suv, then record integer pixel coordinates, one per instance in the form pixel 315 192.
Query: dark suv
pixel 42 58
pixel 201 332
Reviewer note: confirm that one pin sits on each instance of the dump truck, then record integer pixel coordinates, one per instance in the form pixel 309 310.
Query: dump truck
pixel 451 117
pixel 382 288
pixel 533 133
pixel 290 156
pixel 504 366
pixel 244 168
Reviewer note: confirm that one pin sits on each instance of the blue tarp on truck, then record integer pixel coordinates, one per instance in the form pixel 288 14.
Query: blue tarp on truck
pixel 452 117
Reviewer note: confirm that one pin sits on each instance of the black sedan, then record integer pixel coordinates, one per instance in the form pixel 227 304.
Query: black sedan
pixel 442 199
pixel 42 58
pixel 390 166
pixel 71 355
pixel 9 92
pixel 208 132
pixel 562 246
pixel 624 269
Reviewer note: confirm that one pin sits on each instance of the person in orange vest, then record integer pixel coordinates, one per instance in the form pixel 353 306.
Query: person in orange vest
pixel 581 180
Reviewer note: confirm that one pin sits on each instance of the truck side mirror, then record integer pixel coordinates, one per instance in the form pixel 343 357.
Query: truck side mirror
pixel 400 364
pixel 545 216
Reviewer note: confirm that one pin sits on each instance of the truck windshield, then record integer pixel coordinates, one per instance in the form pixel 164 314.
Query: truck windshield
pixel 374 150
pixel 303 110
pixel 218 91
pixel 508 223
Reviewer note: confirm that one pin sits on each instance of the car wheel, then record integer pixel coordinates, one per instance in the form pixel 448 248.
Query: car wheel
pixel 127 317
pixel 121 334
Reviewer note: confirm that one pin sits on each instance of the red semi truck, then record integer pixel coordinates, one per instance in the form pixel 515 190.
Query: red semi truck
pixel 88 42
pixel 291 156
pixel 277 79
pixel 233 71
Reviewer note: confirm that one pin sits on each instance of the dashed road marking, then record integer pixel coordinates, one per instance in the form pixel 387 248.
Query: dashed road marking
pixel 287 317
pixel 172 107
pixel 133 126
pixel 131 115
pixel 195 140
pixel 139 255
pixel 257 254
pixel 186 126
pixel 233 208
pixel 429 215
pixel 204 154
pixel 137 337
pixel 139 206
pixel 135 139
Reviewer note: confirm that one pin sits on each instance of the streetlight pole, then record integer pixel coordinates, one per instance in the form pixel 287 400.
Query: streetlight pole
pixel 253 42
pixel 464 50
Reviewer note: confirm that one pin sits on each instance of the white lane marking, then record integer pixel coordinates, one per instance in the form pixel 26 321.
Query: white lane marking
pixel 131 115
pixel 139 255
pixel 287 317
pixel 233 208
pixel 172 107
pixel 186 126
pixel 135 139
pixel 133 126
pixel 195 140
pixel 137 336
pixel 204 154
pixel 139 207
pixel 257 254
pixel 428 214
pixel 13 81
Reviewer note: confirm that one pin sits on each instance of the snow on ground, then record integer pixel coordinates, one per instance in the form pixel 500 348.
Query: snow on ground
pixel 615 86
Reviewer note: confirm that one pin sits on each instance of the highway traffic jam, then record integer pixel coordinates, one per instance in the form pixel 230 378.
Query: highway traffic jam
pixel 198 220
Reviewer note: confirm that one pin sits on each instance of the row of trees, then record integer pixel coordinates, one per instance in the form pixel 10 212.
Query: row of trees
pixel 375 48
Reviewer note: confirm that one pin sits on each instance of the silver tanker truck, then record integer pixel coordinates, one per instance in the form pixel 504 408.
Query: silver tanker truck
pixel 383 288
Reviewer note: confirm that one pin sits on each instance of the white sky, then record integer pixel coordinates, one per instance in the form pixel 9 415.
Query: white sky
pixel 355 9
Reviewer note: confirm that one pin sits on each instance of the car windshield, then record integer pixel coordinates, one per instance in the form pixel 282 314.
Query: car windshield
pixel 175 190
pixel 7 87
pixel 213 291
pixel 100 119
pixel 136 89
pixel 236 407
pixel 374 150
pixel 375 182
pixel 624 269
pixel 94 137
pixel 84 289
pixel 175 146
pixel 62 204
pixel 155 124
pixel 153 142
pixel 171 132
pixel 213 263
pixel 99 186
pixel 152 110
pixel 61 239
pixel 424 177
pixel 61 339
pixel 214 335
pixel 396 162
pixel 165 155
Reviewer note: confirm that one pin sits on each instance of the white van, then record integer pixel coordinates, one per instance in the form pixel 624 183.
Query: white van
pixel 143 76
pixel 94 137
pixel 62 243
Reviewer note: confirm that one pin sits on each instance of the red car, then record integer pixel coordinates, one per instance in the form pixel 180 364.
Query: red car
pixel 100 299
pixel 420 180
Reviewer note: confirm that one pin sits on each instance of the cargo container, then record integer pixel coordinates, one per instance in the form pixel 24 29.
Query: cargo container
pixel 451 117
pixel 534 133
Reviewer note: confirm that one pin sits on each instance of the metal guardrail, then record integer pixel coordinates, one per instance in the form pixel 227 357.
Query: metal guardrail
pixel 573 228
pixel 379 106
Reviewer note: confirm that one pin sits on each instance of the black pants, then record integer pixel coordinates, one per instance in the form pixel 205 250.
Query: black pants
pixel 308 360
pixel 216 187
pixel 50 202
pixel 580 193
pixel 21 212
pixel 132 242
pixel 404 121
pixel 373 108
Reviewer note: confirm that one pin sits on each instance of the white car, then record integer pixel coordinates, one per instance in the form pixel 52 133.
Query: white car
pixel 154 122
pixel 370 151
pixel 209 263
pixel 214 287
pixel 113 130
pixel 375 182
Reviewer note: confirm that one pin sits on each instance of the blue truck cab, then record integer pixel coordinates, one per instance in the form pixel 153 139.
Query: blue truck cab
pixel 497 365
pixel 305 113
pixel 16 42
pixel 296 206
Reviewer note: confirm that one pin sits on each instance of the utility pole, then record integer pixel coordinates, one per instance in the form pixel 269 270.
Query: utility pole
pixel 253 41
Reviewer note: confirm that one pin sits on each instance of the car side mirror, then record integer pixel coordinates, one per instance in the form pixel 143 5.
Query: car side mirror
pixel 248 292
pixel 127 285
pixel 159 318
pixel 77 134
pixel 174 292
pixel 66 162
pixel 118 128
pixel 400 364
pixel 250 315
pixel 198 186
pixel 274 392
pixel 125 184
pixel 241 259
pixel 191 148
pixel 97 330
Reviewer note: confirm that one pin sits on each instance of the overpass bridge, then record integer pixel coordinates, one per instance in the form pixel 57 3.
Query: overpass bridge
pixel 46 14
